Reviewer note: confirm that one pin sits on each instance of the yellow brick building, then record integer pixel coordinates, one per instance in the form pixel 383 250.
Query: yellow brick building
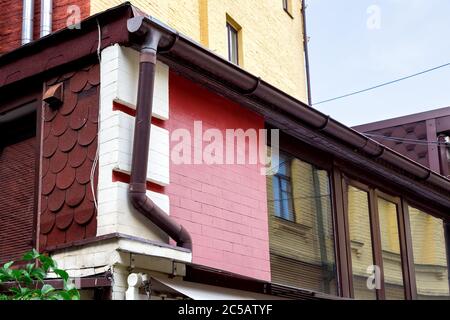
pixel 270 38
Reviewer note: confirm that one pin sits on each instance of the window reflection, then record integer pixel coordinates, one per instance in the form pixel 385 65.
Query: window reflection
pixel 360 241
pixel 390 245
pixel 430 260
pixel 301 227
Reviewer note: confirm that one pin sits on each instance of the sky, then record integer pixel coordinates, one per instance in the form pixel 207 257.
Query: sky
pixel 356 44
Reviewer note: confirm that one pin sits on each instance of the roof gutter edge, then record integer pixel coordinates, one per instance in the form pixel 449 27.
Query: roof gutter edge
pixel 250 85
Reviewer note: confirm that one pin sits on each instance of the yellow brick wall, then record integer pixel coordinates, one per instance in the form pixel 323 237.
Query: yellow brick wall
pixel 272 42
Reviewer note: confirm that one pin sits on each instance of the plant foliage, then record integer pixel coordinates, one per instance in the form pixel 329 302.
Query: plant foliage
pixel 28 279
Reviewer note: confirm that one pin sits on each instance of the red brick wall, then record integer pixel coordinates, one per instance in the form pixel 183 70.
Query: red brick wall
pixel 223 206
pixel 11 21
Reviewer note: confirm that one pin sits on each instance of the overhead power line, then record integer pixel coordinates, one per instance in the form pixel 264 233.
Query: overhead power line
pixel 408 141
pixel 381 85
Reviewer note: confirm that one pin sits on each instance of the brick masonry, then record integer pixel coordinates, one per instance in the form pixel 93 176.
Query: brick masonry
pixel 224 207
pixel 11 21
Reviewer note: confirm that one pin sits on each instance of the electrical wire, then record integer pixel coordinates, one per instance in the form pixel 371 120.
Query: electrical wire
pixel 408 141
pixel 97 153
pixel 381 85
pixel 300 198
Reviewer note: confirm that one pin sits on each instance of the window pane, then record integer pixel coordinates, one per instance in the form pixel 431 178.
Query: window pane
pixel 302 250
pixel 390 245
pixel 361 242
pixel 430 260
pixel 232 44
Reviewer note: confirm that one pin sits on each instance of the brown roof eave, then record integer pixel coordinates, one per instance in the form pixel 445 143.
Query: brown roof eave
pixel 66 45
pixel 204 66
pixel 411 118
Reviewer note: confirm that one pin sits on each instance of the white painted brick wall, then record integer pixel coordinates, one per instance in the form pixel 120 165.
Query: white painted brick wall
pixel 116 141
pixel 119 76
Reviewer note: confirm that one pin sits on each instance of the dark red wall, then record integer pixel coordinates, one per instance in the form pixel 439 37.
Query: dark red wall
pixel 69 149
pixel 413 131
pixel 11 20
pixel 224 207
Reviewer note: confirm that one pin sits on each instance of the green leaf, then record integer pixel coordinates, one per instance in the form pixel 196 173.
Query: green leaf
pixel 31 255
pixel 63 274
pixel 8 265
pixel 46 289
pixel 17 274
pixel 30 267
pixel 47 262
pixel 38 274
pixel 64 295
pixel 25 277
pixel 75 294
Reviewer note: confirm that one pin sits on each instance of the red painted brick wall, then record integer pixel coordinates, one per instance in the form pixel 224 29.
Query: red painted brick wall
pixel 11 21
pixel 223 206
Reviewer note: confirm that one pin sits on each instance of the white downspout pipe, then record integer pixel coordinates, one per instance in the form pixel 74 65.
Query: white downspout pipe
pixel 27 21
pixel 46 17
pixel 135 281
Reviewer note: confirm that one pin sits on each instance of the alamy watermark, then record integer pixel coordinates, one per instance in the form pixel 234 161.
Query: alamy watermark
pixel 213 146
pixel 374 18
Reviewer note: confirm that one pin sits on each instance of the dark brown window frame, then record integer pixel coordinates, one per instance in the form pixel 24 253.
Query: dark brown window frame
pixel 373 195
pixel 341 173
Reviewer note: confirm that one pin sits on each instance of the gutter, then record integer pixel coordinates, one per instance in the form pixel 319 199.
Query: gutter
pixel 138 180
pixel 305 48
pixel 180 50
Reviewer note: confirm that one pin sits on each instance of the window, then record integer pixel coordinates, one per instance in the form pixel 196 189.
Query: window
pixel 374 235
pixel 360 241
pixel 430 260
pixel 301 227
pixel 390 246
pixel 282 190
pixel 233 44
pixel 287 6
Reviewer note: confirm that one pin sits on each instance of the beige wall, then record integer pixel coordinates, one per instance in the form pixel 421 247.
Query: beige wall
pixel 271 41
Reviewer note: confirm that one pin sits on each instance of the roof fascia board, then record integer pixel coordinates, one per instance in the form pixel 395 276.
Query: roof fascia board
pixel 394 122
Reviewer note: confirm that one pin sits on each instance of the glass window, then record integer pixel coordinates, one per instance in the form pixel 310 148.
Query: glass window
pixel 233 44
pixel 287 6
pixel 282 190
pixel 301 246
pixel 390 245
pixel 429 252
pixel 360 242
